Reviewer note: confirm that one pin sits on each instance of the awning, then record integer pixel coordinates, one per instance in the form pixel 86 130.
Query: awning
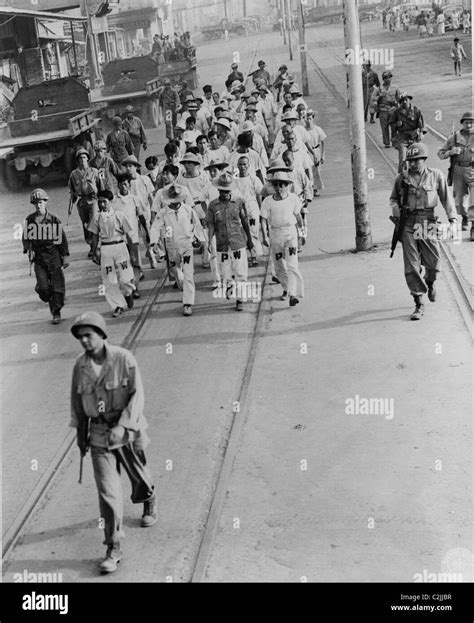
pixel 9 12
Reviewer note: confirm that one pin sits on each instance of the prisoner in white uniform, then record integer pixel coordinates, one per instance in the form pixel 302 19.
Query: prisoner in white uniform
pixel 110 229
pixel 281 212
pixel 250 187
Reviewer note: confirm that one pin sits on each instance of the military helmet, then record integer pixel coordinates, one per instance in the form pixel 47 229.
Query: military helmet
pixel 417 150
pixel 100 145
pixel 38 193
pixel 90 319
pixel 468 116
pixel 82 151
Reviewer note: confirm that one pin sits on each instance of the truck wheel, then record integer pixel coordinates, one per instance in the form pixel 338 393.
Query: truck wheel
pixel 13 179
pixel 240 32
pixel 69 160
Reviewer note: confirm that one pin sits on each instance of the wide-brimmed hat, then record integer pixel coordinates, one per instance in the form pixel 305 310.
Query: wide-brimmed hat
pixel 235 86
pixel 248 126
pixel 278 164
pixel 132 160
pixel 280 176
pixel 225 181
pixel 189 98
pixel 294 90
pixel 251 107
pixel 217 164
pixel 311 113
pixel 224 122
pixel 289 115
pixel 190 157
pixel 180 126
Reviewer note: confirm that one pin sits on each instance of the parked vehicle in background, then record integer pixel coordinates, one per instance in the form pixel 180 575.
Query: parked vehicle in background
pixel 323 15
pixel 217 31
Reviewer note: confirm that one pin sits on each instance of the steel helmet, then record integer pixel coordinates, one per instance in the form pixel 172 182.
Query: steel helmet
pixel 468 116
pixel 81 151
pixel 417 150
pixel 90 319
pixel 38 193
pixel 100 145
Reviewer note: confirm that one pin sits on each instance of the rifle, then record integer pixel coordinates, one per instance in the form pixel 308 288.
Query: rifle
pixel 451 163
pixel 400 224
pixel 31 256
pixel 69 209
pixel 83 430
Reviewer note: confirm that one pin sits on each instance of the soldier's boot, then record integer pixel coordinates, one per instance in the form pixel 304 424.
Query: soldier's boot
pixel 111 560
pixel 431 291
pixel 150 515
pixel 419 307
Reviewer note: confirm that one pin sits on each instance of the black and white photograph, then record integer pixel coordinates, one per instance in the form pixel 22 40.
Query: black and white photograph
pixel 236 304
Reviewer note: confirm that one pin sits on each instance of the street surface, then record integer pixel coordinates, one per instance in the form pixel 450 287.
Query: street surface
pixel 313 493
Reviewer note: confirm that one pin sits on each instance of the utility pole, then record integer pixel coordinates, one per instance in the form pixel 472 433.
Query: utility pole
pixel 281 5
pixel 302 39
pixel 288 24
pixel 356 127
pixel 96 76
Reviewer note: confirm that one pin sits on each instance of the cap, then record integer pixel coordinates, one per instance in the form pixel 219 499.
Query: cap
pixel 81 151
pixel 467 116
pixel 100 145
pixel 190 157
pixel 132 160
pixel 224 181
pixel 90 319
pixel 416 150
pixel 38 193
pixel 223 122
pixel 217 164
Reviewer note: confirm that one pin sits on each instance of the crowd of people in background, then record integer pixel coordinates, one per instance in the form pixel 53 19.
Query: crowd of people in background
pixel 427 22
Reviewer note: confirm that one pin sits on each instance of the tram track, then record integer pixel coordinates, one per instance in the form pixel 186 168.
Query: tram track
pixel 229 445
pixel 457 283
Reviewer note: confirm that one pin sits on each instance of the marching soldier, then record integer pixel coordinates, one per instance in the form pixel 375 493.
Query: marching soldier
pixel 407 127
pixel 170 104
pixel 134 126
pixel 46 244
pixel 108 170
pixel 418 192
pixel 460 148
pixel 385 99
pixel 83 186
pixel 118 142
pixel 370 80
pixel 107 401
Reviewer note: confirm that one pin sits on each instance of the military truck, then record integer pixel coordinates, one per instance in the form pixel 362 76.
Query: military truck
pixel 323 15
pixel 217 31
pixel 48 122
pixel 138 81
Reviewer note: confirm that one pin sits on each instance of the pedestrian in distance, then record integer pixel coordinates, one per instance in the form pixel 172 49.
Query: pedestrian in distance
pixel 45 242
pixel 228 221
pixel 280 217
pixel 385 101
pixel 134 126
pixel 107 402
pixel 457 54
pixel 459 147
pixel 370 80
pixel 109 230
pixel 413 200
pixel 407 126
pixel 83 186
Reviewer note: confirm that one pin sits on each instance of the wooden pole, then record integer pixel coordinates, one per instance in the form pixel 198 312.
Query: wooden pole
pixel 302 40
pixel 356 126
pixel 288 24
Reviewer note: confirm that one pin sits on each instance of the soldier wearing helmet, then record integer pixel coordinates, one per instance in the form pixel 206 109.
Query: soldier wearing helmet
pixel 107 400
pixel 418 192
pixel 118 142
pixel 385 99
pixel 459 147
pixel 407 126
pixel 370 80
pixel 134 126
pixel 46 244
pixel 170 104
pixel 84 186
pixel 108 169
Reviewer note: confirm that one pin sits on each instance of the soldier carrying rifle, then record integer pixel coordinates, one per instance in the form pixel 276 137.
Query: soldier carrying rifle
pixel 414 198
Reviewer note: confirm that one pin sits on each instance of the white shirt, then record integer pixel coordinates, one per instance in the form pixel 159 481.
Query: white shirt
pixel 250 187
pixel 178 227
pixel 281 214
pixel 128 205
pixel 255 162
pixel 142 188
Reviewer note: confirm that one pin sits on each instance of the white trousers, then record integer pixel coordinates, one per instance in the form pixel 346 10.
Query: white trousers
pixel 253 212
pixel 284 252
pixel 182 267
pixel 233 263
pixel 116 269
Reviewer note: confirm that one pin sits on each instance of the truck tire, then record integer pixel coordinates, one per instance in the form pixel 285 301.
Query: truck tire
pixel 240 32
pixel 13 179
